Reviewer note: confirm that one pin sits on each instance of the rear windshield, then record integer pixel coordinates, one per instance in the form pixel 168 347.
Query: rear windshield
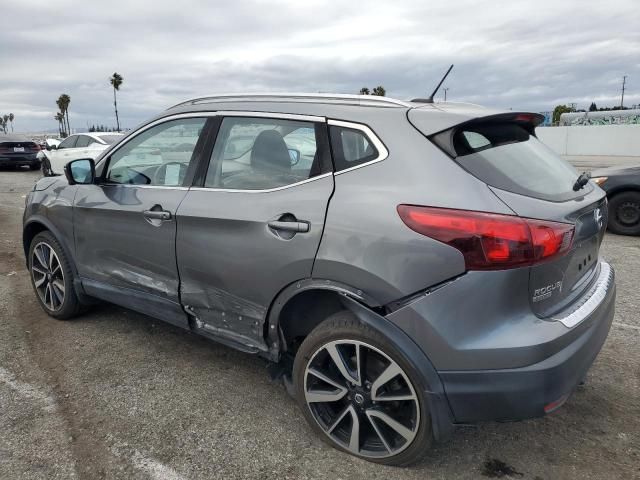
pixel 507 156
pixel 110 139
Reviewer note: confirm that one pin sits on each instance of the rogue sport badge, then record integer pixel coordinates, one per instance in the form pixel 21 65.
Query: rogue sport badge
pixel 597 215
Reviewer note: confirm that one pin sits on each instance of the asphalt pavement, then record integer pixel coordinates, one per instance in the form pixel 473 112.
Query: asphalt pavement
pixel 115 394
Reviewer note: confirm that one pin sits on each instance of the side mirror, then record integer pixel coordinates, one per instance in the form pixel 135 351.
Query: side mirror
pixel 52 147
pixel 294 155
pixel 80 172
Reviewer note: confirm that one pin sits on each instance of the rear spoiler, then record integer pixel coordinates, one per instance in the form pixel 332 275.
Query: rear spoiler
pixel 527 120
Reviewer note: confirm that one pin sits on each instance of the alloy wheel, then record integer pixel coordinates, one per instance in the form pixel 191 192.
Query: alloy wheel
pixel 48 277
pixel 361 399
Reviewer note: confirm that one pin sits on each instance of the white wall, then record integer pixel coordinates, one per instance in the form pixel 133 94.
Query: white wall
pixel 605 140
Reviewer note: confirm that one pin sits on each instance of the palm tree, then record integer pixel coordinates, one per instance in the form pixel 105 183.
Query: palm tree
pixel 379 90
pixel 59 117
pixel 11 117
pixel 116 81
pixel 63 104
pixel 5 119
pixel 364 91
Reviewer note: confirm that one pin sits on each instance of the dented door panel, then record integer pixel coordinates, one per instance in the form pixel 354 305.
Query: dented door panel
pixel 232 263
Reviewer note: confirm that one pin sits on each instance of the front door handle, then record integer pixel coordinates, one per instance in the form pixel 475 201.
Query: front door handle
pixel 285 226
pixel 157 214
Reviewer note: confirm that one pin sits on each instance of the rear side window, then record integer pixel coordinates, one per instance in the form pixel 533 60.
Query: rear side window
pixel 265 153
pixel 69 142
pixel 507 156
pixel 351 147
pixel 83 141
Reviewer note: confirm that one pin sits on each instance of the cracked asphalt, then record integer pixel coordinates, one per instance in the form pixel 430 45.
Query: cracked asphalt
pixel 115 394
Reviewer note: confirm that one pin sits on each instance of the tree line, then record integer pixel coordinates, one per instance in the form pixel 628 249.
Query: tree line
pixel 64 100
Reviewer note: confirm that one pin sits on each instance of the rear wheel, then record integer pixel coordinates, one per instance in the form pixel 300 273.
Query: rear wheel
pixel 359 394
pixel 624 213
pixel 52 277
pixel 34 166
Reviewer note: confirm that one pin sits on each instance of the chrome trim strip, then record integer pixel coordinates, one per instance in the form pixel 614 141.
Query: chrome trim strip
pixel 364 100
pixel 286 116
pixel 594 298
pixel 162 187
pixel 382 150
pixel 231 190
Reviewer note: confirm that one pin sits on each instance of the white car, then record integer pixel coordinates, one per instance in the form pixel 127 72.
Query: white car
pixel 79 145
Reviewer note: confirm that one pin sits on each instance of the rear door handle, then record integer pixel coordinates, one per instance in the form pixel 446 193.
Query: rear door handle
pixel 157 214
pixel 284 226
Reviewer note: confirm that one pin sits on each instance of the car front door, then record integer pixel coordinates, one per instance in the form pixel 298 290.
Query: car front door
pixel 253 224
pixel 125 227
pixel 60 156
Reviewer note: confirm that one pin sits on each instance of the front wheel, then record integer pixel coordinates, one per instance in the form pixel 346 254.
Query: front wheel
pixel 45 166
pixel 52 277
pixel 624 213
pixel 360 395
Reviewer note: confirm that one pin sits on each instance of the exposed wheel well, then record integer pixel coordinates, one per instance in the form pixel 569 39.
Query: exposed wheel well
pixel 29 232
pixel 304 312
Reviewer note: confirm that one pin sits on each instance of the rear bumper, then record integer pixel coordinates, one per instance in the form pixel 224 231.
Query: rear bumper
pixel 29 159
pixel 495 358
pixel 519 393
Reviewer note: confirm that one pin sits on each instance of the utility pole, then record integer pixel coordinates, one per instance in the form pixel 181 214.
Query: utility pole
pixel 624 81
pixel 445 93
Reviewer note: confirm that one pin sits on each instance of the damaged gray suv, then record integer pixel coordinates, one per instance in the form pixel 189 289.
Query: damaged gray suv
pixel 410 266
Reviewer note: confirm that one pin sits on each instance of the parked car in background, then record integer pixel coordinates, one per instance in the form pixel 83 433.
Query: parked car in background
pixel 410 267
pixel 622 185
pixel 18 150
pixel 79 145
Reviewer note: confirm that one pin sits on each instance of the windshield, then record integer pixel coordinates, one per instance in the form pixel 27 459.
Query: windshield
pixel 508 157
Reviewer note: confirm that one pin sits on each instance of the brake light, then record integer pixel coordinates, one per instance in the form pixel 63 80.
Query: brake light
pixel 490 241
pixel 34 146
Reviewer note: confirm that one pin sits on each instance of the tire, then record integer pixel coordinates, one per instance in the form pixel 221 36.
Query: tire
pixel 45 166
pixel 52 279
pixel 35 166
pixel 624 213
pixel 333 405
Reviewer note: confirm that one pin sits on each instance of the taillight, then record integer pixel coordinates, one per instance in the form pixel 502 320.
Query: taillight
pixel 6 150
pixel 35 146
pixel 490 241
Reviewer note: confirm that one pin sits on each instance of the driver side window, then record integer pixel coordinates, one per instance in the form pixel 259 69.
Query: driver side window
pixel 158 156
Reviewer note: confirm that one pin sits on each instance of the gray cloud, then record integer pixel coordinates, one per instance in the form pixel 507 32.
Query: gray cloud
pixel 508 54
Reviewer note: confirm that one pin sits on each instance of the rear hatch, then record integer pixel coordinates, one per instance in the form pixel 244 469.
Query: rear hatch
pixel 502 151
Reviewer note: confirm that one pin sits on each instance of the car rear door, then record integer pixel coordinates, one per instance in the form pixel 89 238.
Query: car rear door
pixel 253 222
pixel 125 225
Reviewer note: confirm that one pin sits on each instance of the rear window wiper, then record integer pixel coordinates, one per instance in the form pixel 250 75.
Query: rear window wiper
pixel 581 181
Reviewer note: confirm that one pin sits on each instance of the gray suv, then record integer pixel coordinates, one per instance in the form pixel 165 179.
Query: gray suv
pixel 409 266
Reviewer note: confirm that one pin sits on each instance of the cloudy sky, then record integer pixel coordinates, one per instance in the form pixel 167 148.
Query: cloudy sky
pixel 512 54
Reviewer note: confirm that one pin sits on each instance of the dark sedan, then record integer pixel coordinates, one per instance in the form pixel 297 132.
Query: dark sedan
pixel 17 150
pixel 622 185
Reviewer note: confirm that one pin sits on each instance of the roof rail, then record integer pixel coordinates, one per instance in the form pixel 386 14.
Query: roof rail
pixel 337 98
